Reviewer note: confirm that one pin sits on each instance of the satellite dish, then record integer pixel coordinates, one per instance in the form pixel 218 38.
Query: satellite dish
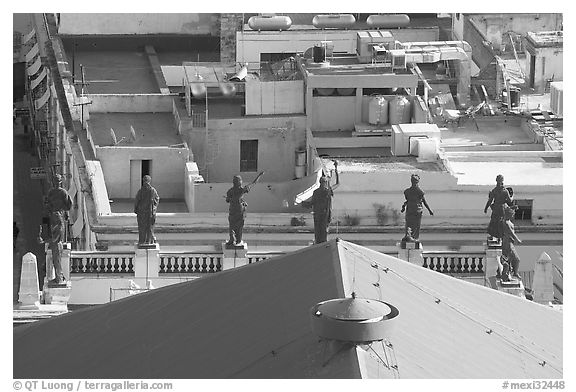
pixel 240 75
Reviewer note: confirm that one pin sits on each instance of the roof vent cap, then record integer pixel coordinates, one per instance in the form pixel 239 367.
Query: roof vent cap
pixel 356 320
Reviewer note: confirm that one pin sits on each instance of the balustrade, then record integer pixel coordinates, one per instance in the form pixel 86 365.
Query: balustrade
pixel 454 263
pixel 256 257
pixel 88 262
pixel 190 262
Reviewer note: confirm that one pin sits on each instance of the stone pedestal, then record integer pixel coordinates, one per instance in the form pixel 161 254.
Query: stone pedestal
pixel 57 293
pixel 29 294
pixel 411 252
pixel 492 262
pixel 234 256
pixel 543 281
pixel 514 287
pixel 147 261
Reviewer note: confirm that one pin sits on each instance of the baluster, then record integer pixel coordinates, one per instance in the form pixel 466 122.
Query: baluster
pixel 197 264
pixel 168 264
pixel 175 263
pixel 116 265
pixel 452 264
pixel 459 264
pixel 103 262
pixel 467 266
pixel 445 265
pixel 130 264
pixel 109 265
pixel 190 267
pixel 219 264
pixel 182 263
pixel 74 265
pixel 211 267
pixel 162 265
pixel 123 265
pixel 480 265
pixel 204 266
pixel 473 264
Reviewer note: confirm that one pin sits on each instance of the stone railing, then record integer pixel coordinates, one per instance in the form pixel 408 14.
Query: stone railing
pixel 190 262
pixel 254 257
pixel 454 262
pixel 86 262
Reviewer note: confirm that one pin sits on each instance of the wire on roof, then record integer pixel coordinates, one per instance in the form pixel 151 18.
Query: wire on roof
pixel 507 340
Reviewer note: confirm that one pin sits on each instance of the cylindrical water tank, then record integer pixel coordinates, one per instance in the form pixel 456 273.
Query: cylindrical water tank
pixel 300 157
pixel 338 21
pixel 399 110
pixel 378 110
pixel 388 21
pixel 318 53
pixel 270 23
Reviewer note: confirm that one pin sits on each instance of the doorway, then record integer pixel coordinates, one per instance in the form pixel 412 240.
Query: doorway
pixel 138 169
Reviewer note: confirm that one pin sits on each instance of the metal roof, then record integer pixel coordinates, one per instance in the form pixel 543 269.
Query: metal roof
pixel 253 322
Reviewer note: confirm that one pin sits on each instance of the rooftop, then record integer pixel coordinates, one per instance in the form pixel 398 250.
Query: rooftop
pixel 546 38
pixel 152 129
pixel 446 328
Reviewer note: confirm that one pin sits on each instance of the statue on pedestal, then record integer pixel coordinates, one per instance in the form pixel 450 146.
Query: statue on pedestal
pixel 498 197
pixel 58 203
pixel 145 206
pixel 237 209
pixel 321 204
pixel 413 207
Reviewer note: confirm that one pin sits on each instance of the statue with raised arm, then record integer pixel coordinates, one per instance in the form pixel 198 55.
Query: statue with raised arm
pixel 145 206
pixel 498 197
pixel 413 206
pixel 237 209
pixel 321 204
pixel 58 203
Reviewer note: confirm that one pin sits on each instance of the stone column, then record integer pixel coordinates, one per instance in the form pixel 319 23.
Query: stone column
pixel 234 256
pixel 229 25
pixel 411 252
pixel 543 281
pixel 29 293
pixel 146 261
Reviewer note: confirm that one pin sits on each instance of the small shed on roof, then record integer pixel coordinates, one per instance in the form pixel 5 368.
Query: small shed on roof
pixel 254 322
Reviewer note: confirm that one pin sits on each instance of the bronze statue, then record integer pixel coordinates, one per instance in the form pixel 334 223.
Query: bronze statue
pixel 510 257
pixel 237 209
pixel 497 198
pixel 58 203
pixel 145 206
pixel 413 207
pixel 321 204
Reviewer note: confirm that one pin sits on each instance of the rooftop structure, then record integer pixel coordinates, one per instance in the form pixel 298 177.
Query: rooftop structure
pixel 242 330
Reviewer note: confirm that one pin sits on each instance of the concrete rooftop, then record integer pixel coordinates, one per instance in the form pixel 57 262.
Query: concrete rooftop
pixel 152 129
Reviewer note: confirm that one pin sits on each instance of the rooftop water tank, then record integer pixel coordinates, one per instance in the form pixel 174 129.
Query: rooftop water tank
pixel 388 21
pixel 318 53
pixel 355 320
pixel 337 21
pixel 378 110
pixel 270 22
pixel 399 110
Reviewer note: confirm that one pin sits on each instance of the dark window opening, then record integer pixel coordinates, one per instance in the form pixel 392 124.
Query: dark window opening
pixel 146 167
pixel 248 155
pixel 334 92
pixel 524 210
pixel 274 57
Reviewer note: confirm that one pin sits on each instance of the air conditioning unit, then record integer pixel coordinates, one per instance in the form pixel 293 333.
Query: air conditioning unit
pixel 398 58
pixel 379 53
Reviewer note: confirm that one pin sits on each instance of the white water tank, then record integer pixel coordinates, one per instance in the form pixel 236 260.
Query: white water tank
pixel 378 110
pixel 399 110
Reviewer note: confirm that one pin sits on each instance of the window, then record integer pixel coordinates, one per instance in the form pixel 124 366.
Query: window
pixel 524 210
pixel 248 155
